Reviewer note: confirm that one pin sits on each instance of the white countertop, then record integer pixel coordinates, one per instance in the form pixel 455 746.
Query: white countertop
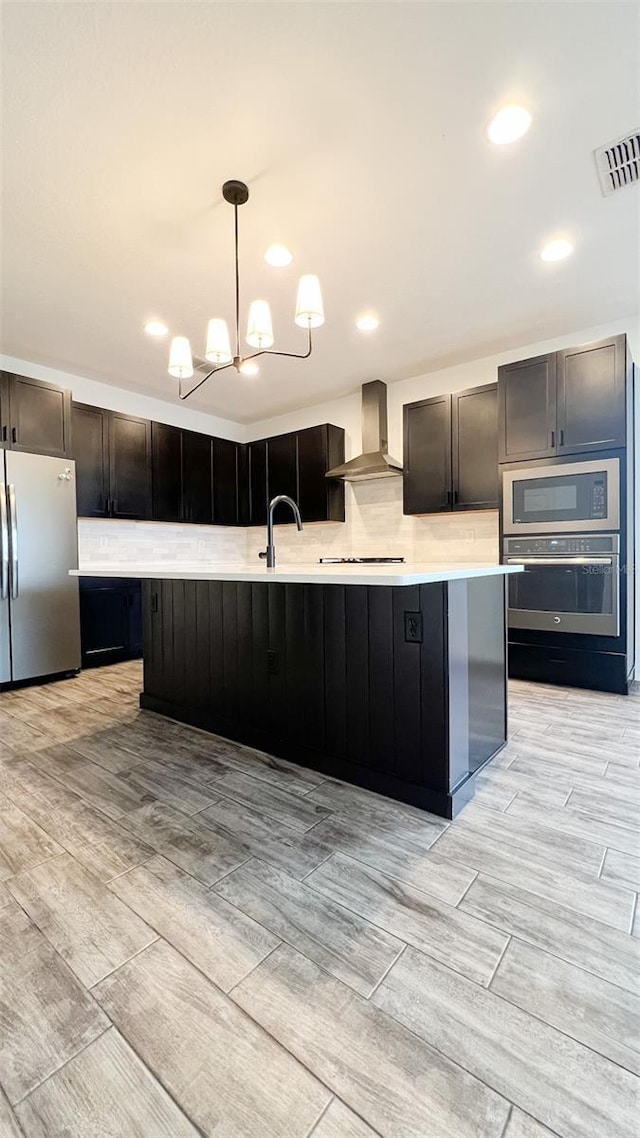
pixel 416 573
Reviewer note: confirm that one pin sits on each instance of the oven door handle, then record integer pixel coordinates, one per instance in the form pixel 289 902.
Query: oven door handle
pixel 559 561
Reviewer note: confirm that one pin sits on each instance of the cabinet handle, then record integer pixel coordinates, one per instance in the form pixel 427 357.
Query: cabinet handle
pixel 553 439
pixel 14 435
pixel 562 436
pixel 106 506
pixel 4 434
pixel 454 497
pixel 449 497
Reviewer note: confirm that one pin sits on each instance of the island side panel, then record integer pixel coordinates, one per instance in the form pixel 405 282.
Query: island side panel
pixel 339 678
pixel 487 668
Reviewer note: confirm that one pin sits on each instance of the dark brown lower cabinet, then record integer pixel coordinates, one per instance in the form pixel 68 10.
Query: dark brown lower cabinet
pixel 398 689
pixel 110 620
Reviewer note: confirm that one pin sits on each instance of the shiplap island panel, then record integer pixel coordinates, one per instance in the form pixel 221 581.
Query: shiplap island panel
pixel 400 688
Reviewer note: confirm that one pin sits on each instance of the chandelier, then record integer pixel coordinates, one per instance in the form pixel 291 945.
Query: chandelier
pixel 309 314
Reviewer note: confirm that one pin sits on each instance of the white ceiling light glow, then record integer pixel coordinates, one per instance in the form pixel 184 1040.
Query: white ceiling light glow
pixel 509 125
pixel 155 328
pixel 309 314
pixel 367 323
pixel 556 250
pixel 278 256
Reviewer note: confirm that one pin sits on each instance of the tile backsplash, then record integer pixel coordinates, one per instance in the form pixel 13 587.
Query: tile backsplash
pixel 375 526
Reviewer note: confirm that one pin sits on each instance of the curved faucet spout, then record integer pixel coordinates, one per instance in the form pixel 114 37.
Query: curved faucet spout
pixel 270 552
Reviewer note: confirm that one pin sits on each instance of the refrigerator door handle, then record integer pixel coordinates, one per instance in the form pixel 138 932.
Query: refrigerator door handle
pixel 13 523
pixel 4 544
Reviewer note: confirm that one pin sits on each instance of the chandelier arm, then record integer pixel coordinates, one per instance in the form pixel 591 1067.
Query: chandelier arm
pixel 291 355
pixel 200 382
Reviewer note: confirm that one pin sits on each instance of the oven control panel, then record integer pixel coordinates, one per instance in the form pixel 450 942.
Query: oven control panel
pixel 567 546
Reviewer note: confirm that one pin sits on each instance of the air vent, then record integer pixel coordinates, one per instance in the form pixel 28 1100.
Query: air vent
pixel 619 163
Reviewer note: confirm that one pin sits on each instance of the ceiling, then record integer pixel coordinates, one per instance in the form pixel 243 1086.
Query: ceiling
pixel 361 130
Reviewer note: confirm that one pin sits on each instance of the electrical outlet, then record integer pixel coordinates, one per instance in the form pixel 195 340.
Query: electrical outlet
pixel 413 627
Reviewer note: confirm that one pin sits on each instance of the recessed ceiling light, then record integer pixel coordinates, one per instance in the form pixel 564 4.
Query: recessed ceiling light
pixel 278 256
pixel 556 250
pixel 249 368
pixel 509 124
pixel 156 328
pixel 367 323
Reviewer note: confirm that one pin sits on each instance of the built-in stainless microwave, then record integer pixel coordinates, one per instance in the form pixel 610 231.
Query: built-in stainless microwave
pixel 566 497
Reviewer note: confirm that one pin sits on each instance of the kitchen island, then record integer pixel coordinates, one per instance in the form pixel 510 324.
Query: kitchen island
pixel 392 677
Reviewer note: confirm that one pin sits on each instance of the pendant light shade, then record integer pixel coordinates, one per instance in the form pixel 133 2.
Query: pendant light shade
pixel 218 346
pixel 259 327
pixel 309 307
pixel 180 361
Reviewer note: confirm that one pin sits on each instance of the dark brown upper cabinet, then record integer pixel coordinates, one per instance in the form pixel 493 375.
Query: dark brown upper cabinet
pixel 166 473
pixel 451 452
pixel 527 409
pixel 197 478
pixel 427 456
pixel 226 490
pixel 591 396
pixel 257 480
pixel 568 402
pixel 282 472
pixel 113 463
pixel 129 466
pixel 474 457
pixel 91 452
pixel 320 449
pixel 34 416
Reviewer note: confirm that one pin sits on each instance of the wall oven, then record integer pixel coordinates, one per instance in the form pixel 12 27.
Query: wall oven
pixel 569 584
pixel 568 497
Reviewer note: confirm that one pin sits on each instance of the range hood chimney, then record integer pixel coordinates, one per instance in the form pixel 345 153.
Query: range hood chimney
pixel 375 462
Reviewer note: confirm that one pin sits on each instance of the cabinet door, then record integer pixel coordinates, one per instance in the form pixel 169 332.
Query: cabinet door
pixel 4 409
pixel 258 483
pixel 129 466
pixel 282 472
pixel 474 422
pixel 104 623
pixel 225 482
pixel 591 396
pixel 166 472
pixel 197 485
pixel 319 449
pixel 40 417
pixel 90 445
pixel 527 409
pixel 427 456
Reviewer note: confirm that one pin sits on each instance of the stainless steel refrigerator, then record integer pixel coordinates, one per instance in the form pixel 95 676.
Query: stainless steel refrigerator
pixel 39 608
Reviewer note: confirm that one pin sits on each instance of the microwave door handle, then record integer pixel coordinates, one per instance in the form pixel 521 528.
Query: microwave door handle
pixel 4 544
pixel 559 561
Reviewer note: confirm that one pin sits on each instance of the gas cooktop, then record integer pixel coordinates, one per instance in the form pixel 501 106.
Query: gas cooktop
pixel 361 560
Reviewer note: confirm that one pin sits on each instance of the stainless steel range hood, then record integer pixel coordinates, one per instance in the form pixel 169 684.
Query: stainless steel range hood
pixel 375 462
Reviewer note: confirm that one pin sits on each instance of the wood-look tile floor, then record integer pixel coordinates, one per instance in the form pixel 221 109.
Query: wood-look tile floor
pixel 198 939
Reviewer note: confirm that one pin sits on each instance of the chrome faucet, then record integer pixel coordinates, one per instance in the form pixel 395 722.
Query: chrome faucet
pixel 270 551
